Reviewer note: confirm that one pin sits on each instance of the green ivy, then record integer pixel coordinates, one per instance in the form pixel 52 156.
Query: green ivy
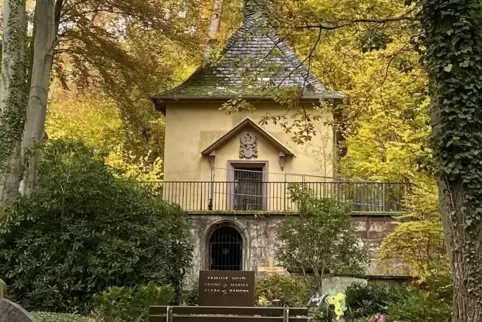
pixel 452 36
pixel 13 113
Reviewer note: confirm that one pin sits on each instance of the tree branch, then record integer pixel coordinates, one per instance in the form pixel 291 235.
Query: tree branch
pixel 333 25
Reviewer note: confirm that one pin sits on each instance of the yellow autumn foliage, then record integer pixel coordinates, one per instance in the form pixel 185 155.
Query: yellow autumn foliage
pixel 97 122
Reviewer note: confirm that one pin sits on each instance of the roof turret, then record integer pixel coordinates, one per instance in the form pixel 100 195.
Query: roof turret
pixel 254 60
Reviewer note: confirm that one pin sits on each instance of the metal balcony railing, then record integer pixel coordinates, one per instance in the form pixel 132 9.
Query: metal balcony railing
pixel 275 196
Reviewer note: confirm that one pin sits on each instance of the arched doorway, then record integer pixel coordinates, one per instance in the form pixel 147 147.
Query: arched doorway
pixel 226 249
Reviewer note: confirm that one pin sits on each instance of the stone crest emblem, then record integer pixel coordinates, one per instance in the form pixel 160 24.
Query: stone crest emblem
pixel 248 147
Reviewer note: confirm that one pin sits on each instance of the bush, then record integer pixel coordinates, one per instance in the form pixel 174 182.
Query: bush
pixel 83 230
pixel 191 297
pixel 418 306
pixel 290 291
pixel 438 282
pixel 321 240
pixel 324 313
pixel 59 317
pixel 403 304
pixel 370 299
pixel 125 304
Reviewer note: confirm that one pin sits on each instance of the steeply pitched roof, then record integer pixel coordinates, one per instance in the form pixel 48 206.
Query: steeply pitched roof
pixel 254 62
pixel 238 128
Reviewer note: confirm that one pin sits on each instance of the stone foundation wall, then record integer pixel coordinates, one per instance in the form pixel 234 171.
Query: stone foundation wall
pixel 260 242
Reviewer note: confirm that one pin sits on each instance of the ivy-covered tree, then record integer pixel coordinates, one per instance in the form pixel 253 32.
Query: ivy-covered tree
pixel 83 230
pixel 320 241
pixel 13 93
pixel 452 36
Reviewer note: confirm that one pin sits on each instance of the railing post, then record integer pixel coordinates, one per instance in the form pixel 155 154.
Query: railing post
pixel 286 194
pixel 169 314
pixel 211 196
pixel 201 200
pixel 286 314
pixel 381 194
pixel 211 200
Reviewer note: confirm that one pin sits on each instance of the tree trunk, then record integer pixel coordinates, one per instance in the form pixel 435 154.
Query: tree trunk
pixel 12 97
pixel 43 49
pixel 213 28
pixel 455 78
pixel 464 250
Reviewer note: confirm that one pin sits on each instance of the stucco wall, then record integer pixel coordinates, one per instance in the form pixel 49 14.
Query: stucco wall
pixel 192 127
pixel 259 233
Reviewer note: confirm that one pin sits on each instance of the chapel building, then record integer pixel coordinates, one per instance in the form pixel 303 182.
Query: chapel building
pixel 231 172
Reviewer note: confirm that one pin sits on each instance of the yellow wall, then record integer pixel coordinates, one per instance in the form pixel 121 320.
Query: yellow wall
pixel 192 127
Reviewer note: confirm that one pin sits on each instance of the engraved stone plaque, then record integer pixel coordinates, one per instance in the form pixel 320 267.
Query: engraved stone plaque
pixel 226 288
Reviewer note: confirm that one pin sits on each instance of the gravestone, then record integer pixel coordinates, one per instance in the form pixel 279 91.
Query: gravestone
pixel 12 312
pixel 226 288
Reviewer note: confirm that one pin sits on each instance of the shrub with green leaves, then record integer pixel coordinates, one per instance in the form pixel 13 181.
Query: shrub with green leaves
pixel 419 306
pixel 290 291
pixel 370 299
pixel 403 304
pixel 83 230
pixel 191 296
pixel 323 313
pixel 126 304
pixel 322 240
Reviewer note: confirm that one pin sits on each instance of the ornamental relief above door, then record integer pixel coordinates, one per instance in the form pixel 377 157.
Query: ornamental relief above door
pixel 248 147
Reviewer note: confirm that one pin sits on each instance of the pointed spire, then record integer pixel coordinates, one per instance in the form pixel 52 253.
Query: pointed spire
pixel 255 8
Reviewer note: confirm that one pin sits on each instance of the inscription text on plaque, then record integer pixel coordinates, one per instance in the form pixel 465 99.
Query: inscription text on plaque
pixel 226 288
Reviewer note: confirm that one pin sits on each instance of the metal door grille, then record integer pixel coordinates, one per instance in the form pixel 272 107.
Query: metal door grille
pixel 248 189
pixel 226 250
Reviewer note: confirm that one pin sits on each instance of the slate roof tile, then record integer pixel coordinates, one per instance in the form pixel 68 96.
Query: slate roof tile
pixel 254 59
